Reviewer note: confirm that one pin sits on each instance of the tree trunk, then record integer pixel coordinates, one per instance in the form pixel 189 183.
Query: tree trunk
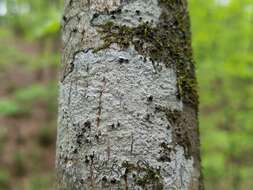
pixel 128 102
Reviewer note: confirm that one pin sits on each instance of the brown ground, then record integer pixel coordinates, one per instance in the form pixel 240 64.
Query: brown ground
pixel 27 140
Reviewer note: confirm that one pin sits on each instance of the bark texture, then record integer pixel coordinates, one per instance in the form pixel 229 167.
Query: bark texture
pixel 128 102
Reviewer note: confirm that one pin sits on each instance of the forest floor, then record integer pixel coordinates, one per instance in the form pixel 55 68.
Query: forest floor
pixel 28 123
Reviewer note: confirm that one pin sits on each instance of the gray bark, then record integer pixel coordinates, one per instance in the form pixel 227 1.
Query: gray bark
pixel 128 102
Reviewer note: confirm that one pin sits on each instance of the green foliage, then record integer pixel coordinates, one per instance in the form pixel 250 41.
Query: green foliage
pixel 49 28
pixel 8 107
pixel 46 136
pixel 3 137
pixel 31 93
pixel 33 18
pixel 19 164
pixel 4 179
pixel 11 54
pixel 29 51
pixel 222 41
pixel 41 182
pixel 22 100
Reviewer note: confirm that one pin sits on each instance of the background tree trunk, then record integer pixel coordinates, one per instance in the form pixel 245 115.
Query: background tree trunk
pixel 128 102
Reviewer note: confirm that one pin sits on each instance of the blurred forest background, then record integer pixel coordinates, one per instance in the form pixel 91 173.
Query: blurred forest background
pixel 30 56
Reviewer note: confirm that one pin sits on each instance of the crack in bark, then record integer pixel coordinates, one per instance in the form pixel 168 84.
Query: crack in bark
pixel 108 151
pixel 70 93
pixel 100 102
pixel 132 143
pixel 68 19
pixel 68 68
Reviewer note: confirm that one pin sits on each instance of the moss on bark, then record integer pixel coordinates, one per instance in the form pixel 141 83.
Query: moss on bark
pixel 168 42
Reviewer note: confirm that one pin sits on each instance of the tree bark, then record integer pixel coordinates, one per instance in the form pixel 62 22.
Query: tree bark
pixel 128 103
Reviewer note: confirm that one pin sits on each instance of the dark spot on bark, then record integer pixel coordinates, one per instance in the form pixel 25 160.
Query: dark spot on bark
pixel 150 98
pixel 123 60
pixel 138 12
pixel 118 11
pixel 83 130
pixel 86 159
pixel 113 126
pixel 97 137
pixel 75 151
pixel 92 155
pixel 104 179
pixel 78 141
pixel 95 15
pixel 80 136
pixel 112 12
pixel 165 152
pixel 164 158
pixel 87 140
pixel 87 124
pixel 113 181
pixel 147 117
pixel 74 30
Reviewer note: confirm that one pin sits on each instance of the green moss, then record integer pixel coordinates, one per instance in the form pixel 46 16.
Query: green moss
pixel 179 123
pixel 169 42
pixel 143 174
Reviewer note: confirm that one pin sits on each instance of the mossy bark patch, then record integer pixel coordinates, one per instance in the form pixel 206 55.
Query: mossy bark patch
pixel 168 42
pixel 144 175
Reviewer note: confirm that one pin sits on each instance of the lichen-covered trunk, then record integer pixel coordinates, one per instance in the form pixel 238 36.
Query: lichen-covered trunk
pixel 128 103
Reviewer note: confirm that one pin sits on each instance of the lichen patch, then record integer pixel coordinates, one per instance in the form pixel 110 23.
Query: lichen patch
pixel 103 5
pixel 125 90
